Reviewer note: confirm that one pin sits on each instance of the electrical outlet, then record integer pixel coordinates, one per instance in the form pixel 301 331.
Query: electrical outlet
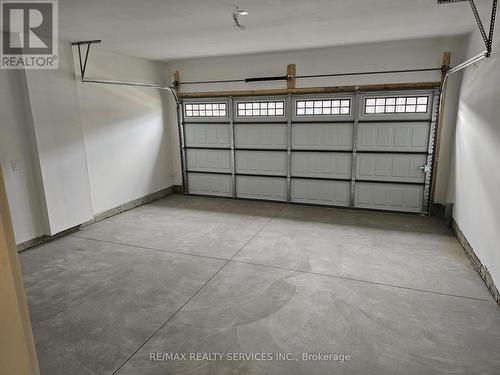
pixel 15 165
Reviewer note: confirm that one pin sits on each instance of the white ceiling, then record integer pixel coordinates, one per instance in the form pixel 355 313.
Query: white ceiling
pixel 176 29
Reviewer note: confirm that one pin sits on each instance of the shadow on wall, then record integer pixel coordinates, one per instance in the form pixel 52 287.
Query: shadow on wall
pixel 126 143
pixel 477 128
pixel 477 152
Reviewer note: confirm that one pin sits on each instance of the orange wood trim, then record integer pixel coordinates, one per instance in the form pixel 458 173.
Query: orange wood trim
pixel 437 149
pixel 315 90
pixel 291 71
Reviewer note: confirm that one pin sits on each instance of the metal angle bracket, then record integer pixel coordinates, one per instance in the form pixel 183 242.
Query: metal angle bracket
pixel 429 168
pixel 354 161
pixel 232 140
pixel 83 64
pixel 289 104
pixel 83 67
pixel 487 38
pixel 182 140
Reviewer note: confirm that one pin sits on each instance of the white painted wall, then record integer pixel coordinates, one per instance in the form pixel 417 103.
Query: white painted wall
pixel 475 182
pixel 126 142
pixel 59 144
pixel 82 149
pixel 16 146
pixel 421 53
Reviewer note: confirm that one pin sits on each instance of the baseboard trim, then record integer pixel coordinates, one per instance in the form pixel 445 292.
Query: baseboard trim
pixel 174 189
pixel 437 209
pixel 44 238
pixel 130 205
pixel 478 265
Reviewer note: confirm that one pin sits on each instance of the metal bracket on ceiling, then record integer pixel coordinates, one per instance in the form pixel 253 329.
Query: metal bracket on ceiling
pixel 83 67
pixel 487 38
pixel 83 64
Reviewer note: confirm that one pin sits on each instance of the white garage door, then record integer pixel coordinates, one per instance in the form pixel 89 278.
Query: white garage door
pixel 370 150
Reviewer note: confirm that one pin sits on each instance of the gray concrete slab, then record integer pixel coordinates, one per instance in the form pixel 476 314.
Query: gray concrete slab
pixel 314 285
pixel 385 330
pixel 328 216
pixel 192 225
pixel 92 304
pixel 400 250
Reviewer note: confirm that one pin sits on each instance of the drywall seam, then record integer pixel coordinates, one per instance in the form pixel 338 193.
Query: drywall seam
pixel 85 147
pixel 35 157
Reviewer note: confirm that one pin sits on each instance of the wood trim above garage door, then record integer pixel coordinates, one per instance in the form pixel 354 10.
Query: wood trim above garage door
pixel 313 90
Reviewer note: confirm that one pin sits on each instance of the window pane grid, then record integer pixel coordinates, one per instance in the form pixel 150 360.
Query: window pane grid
pixel 391 105
pixel 206 110
pixel 260 109
pixel 323 107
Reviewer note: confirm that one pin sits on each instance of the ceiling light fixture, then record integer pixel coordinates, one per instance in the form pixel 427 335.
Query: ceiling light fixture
pixel 236 14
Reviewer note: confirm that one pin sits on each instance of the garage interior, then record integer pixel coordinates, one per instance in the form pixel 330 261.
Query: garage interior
pixel 254 187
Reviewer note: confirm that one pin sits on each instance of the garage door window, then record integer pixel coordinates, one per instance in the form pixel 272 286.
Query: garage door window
pixel 206 110
pixel 402 104
pixel 323 107
pixel 261 109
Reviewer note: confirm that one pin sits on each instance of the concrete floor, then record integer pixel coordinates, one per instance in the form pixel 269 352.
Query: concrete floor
pixel 188 274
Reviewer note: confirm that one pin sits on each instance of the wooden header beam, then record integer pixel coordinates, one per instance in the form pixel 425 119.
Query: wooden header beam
pixel 445 66
pixel 177 79
pixel 291 72
pixel 437 146
pixel 314 90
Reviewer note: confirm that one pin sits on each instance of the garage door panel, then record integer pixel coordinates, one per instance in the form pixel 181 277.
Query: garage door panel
pixel 207 135
pixel 261 136
pixel 420 136
pixel 396 136
pixel 387 196
pixel 254 187
pixel 391 167
pixel 209 160
pixel 320 136
pixel 321 164
pixel 210 184
pixel 334 193
pixel 315 151
pixel 261 162
pixel 384 137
